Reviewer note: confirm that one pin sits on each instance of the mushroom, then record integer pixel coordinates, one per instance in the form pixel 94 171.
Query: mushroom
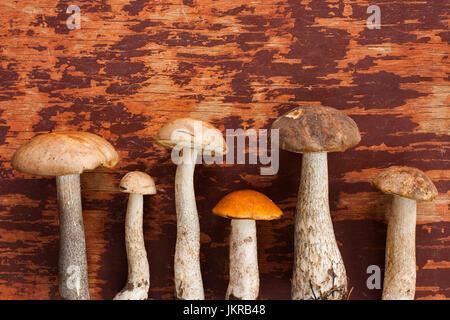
pixel 319 271
pixel 137 184
pixel 244 207
pixel 407 185
pixel 65 155
pixel 191 137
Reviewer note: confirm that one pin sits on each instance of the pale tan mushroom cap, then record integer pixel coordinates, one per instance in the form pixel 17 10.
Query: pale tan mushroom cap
pixel 247 204
pixel 63 153
pixel 192 133
pixel 137 182
pixel 407 182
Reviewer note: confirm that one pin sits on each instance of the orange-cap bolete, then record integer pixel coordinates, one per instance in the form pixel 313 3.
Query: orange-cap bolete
pixel 247 204
pixel 65 155
pixel 319 271
pixel 407 185
pixel 190 137
pixel 137 184
pixel 244 207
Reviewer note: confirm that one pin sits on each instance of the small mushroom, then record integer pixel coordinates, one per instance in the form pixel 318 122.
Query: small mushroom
pixel 191 137
pixel 244 207
pixel 407 185
pixel 137 184
pixel 65 155
pixel 319 271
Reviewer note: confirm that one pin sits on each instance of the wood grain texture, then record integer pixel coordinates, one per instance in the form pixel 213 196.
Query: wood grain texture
pixel 135 64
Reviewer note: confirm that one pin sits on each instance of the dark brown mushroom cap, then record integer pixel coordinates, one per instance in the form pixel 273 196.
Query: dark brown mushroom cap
pixel 308 129
pixel 407 182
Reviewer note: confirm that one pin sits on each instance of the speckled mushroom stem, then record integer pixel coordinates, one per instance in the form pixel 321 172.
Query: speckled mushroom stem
pixel 319 271
pixel 138 281
pixel 400 268
pixel 188 277
pixel 244 273
pixel 73 270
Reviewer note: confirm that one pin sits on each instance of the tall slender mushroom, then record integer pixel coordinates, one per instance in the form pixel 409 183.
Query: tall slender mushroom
pixel 190 136
pixel 137 184
pixel 244 207
pixel 319 271
pixel 407 185
pixel 65 155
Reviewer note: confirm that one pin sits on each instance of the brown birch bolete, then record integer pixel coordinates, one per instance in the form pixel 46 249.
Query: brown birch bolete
pixel 319 271
pixel 136 184
pixel 190 137
pixel 65 155
pixel 244 207
pixel 407 185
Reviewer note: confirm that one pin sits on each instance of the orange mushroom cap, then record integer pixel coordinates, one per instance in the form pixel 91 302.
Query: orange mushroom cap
pixel 247 204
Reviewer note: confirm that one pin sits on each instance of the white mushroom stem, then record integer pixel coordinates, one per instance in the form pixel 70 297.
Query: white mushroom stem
pixel 319 271
pixel 400 271
pixel 188 277
pixel 138 281
pixel 73 270
pixel 244 273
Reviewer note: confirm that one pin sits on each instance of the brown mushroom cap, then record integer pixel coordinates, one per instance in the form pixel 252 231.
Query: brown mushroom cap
pixel 407 182
pixel 192 133
pixel 247 204
pixel 63 153
pixel 137 182
pixel 308 129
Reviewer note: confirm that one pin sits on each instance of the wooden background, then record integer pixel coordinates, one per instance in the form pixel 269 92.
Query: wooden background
pixel 136 64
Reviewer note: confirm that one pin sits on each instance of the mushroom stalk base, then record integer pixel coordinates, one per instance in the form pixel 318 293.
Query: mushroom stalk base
pixel 244 274
pixel 73 270
pixel 138 281
pixel 319 271
pixel 400 269
pixel 188 277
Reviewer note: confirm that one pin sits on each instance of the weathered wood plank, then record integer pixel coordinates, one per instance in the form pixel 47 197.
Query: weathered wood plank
pixel 136 64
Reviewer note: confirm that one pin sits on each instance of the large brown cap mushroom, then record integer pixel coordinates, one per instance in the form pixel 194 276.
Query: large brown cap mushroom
pixel 247 204
pixel 63 153
pixel 137 182
pixel 316 129
pixel 192 133
pixel 407 182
